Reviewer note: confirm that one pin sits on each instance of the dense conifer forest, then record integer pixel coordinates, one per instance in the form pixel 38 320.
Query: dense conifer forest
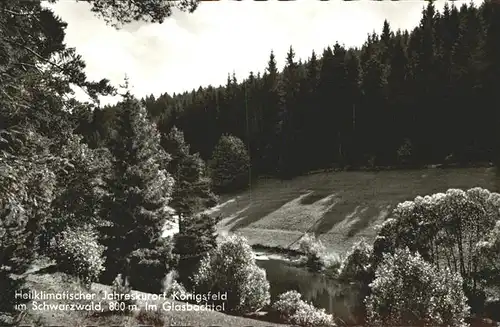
pixel 416 97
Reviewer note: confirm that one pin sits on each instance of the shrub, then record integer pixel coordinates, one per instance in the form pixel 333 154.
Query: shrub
pixel 10 286
pixel 174 288
pixel 333 264
pixel 197 236
pixel 151 318
pixel 78 253
pixel 314 251
pixel 171 285
pixel 488 253
pixel 293 310
pixel 231 268
pixel 408 291
pixel 122 289
pixel 404 152
pixel 147 267
pixel 357 265
pixel 444 228
pixel 229 164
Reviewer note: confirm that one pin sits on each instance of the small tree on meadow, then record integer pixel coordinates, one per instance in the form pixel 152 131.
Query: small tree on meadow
pixel 230 164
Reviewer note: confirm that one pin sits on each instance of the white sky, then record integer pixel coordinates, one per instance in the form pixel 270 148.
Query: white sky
pixel 192 50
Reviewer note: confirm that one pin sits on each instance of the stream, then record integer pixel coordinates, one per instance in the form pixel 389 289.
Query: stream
pixel 335 297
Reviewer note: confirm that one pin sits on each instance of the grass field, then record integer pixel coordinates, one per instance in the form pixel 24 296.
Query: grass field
pixel 57 283
pixel 339 207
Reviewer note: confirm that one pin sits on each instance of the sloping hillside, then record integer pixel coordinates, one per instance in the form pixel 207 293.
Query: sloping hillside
pixel 339 207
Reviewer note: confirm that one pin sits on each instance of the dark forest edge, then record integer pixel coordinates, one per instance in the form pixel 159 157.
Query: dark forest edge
pixel 369 106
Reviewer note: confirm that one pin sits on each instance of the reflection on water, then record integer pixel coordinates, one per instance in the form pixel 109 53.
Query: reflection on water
pixel 336 298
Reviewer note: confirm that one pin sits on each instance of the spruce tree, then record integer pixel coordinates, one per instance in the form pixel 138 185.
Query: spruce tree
pixel 140 188
pixel 270 141
pixel 288 90
pixel 191 191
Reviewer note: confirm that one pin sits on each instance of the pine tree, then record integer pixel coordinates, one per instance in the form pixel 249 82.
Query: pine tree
pixel 289 88
pixel 270 140
pixel 353 100
pixel 118 13
pixel 191 191
pixel 140 188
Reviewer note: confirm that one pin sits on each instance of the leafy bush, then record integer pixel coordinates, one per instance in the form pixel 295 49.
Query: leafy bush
pixel 197 236
pixel 147 267
pixel 78 253
pixel 408 291
pixel 404 152
pixel 488 253
pixel 445 229
pixel 316 258
pixel 357 265
pixel 231 268
pixel 313 250
pixel 122 289
pixel 174 288
pixel 151 318
pixel 9 286
pixel 293 310
pixel 171 285
pixel 230 164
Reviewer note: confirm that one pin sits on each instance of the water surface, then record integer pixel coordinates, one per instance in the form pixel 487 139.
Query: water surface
pixel 335 297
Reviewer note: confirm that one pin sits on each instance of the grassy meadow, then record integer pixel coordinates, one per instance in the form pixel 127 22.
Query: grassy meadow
pixel 339 207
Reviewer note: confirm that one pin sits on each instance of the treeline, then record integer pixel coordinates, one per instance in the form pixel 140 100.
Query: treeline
pixel 404 97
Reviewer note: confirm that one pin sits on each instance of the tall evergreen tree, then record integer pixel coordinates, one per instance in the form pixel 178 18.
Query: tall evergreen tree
pixel 139 188
pixel 288 90
pixel 191 192
pixel 270 140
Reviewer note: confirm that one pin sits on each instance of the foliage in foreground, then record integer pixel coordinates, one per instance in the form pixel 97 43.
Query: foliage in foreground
pixel 148 266
pixel 446 229
pixel 171 285
pixel 77 252
pixel 46 174
pixel 408 291
pixel 231 268
pixel 122 289
pixel 196 238
pixel 293 310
